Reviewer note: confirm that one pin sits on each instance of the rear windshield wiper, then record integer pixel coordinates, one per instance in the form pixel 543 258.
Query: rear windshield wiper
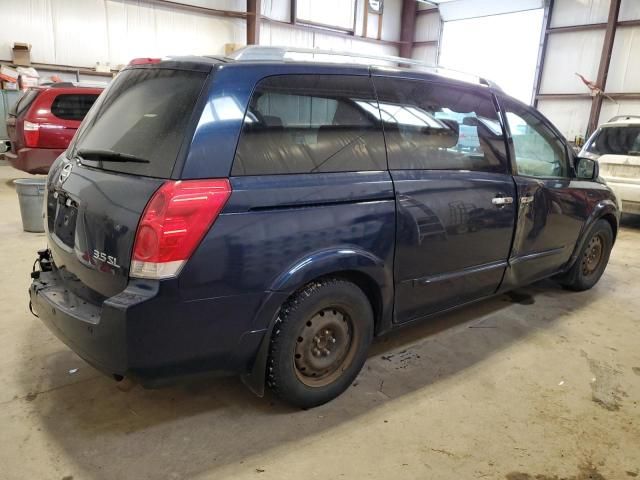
pixel 108 156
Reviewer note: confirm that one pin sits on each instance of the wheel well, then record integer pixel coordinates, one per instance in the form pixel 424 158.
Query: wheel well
pixel 365 283
pixel 614 224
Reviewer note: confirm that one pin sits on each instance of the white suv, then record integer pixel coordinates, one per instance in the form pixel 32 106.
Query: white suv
pixel 616 146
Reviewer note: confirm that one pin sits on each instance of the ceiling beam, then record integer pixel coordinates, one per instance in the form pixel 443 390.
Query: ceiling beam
pixel 605 61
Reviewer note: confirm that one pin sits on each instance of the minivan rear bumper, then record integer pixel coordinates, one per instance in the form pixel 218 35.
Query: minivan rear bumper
pixel 33 160
pixel 145 334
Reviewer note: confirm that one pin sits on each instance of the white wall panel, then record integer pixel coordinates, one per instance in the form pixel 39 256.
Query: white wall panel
pixel 427 27
pixel 569 116
pixel 27 21
pixel 234 5
pixel 360 11
pixel 73 24
pixel 372 26
pixel 624 70
pixel 629 10
pixel 277 9
pixel 391 20
pixel 83 32
pixel 337 13
pixel 621 107
pixel 283 35
pixel 145 29
pixel 425 53
pixel 568 53
pixel 579 12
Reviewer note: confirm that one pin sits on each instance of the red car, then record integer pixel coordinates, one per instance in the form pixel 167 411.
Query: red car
pixel 42 123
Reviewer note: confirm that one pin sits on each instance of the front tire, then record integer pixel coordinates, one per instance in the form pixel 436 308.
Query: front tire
pixel 593 259
pixel 320 342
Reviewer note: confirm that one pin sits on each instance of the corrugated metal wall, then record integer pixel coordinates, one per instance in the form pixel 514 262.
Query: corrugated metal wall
pixel 427 35
pixel 84 32
pixel 571 52
pixel 337 12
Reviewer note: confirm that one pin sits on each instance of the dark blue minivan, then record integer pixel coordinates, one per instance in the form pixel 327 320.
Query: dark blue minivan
pixel 269 217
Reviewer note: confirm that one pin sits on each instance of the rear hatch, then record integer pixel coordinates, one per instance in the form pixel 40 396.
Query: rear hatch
pixel 620 168
pixel 618 151
pixel 125 149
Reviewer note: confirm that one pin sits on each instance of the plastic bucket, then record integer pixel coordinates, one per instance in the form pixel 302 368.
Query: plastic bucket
pixel 31 198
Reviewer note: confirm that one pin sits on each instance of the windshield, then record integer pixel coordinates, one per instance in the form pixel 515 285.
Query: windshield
pixel 144 115
pixel 623 140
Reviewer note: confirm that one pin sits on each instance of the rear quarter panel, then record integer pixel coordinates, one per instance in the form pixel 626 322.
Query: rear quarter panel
pixel 278 232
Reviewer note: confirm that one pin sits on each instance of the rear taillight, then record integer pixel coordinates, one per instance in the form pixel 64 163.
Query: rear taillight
pixel 31 133
pixel 173 223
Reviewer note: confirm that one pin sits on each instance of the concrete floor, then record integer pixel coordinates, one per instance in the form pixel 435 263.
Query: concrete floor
pixel 541 384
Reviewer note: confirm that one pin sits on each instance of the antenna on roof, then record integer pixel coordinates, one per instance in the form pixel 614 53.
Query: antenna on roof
pixel 254 53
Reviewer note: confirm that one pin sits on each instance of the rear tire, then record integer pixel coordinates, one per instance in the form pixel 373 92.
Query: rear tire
pixel 319 343
pixel 592 260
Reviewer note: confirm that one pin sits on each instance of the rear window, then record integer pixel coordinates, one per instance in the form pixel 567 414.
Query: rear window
pixel 433 126
pixel 616 141
pixel 143 115
pixel 24 102
pixel 72 106
pixel 311 124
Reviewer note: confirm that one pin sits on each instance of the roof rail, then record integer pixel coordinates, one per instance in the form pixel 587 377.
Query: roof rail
pixel 624 117
pixel 265 53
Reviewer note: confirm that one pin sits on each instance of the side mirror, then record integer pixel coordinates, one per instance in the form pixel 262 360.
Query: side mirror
pixel 587 169
pixel 4 147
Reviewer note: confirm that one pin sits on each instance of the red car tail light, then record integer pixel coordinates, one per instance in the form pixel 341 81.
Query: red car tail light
pixel 173 223
pixel 31 133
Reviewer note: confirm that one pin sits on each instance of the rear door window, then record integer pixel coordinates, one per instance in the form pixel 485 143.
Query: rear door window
pixel 433 126
pixel 143 116
pixel 72 106
pixel 311 124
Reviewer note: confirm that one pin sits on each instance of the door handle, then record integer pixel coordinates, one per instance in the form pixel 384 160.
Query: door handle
pixel 502 201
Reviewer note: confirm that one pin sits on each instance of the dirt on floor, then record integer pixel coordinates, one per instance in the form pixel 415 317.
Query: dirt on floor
pixel 539 384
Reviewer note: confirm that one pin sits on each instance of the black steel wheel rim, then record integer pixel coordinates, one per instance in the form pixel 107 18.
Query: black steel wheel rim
pixel 325 347
pixel 593 255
